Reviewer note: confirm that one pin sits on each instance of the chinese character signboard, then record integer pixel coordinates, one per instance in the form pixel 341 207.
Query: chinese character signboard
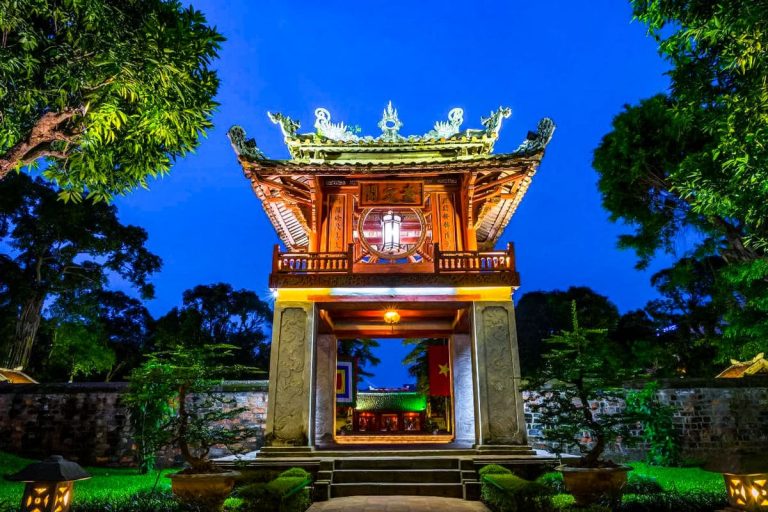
pixel 391 193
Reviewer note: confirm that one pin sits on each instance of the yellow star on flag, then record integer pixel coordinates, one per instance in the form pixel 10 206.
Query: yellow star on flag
pixel 443 369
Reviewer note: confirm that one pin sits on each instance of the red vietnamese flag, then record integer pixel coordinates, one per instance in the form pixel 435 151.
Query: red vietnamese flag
pixel 439 370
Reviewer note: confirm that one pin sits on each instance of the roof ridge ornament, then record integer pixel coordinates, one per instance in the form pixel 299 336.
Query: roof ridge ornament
pixel 337 131
pixel 390 125
pixel 243 146
pixel 288 126
pixel 447 129
pixel 492 123
pixel 538 140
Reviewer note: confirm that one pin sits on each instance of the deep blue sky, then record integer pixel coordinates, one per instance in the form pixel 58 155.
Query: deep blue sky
pixel 577 62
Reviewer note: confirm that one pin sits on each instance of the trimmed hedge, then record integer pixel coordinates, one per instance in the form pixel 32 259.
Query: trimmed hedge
pixel 286 493
pixel 505 492
pixel 494 469
pixel 300 472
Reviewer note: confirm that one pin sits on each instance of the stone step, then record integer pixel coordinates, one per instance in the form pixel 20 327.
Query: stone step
pixel 397 463
pixel 397 489
pixel 389 453
pixel 413 476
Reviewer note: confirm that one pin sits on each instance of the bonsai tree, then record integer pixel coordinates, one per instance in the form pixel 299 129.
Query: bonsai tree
pixel 579 371
pixel 175 401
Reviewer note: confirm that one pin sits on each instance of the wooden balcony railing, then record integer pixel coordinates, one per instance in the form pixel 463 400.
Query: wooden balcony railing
pixel 311 262
pixel 344 262
pixel 475 261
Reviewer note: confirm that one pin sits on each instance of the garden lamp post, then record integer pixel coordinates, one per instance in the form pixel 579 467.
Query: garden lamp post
pixel 49 484
pixel 747 491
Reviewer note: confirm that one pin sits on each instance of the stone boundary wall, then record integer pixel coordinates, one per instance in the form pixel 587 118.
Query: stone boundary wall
pixel 711 417
pixel 89 423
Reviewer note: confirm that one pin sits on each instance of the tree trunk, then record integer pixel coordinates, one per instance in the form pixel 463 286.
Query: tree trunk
pixel 26 332
pixel 51 127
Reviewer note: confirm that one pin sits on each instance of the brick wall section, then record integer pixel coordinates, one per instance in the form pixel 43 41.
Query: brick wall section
pixel 89 423
pixel 711 417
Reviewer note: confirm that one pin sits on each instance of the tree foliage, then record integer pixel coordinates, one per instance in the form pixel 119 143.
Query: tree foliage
pixel 693 163
pixel 108 91
pixel 542 314
pixel 417 360
pixel 360 350
pixel 55 248
pixel 581 369
pixel 218 314
pixel 101 332
pixel 175 400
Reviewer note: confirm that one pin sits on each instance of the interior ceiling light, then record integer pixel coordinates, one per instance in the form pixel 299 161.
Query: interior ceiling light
pixel 391 317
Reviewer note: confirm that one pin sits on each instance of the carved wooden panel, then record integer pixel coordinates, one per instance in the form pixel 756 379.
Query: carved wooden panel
pixel 336 227
pixel 290 401
pixel 446 223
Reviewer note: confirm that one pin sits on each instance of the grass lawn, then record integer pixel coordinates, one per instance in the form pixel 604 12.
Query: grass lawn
pixel 705 485
pixel 108 483
pixel 681 479
pixel 105 482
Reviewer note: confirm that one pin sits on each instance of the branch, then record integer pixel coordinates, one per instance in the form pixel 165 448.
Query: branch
pixel 47 130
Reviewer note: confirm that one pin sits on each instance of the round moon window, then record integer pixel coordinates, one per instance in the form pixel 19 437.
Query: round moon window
pixel 392 233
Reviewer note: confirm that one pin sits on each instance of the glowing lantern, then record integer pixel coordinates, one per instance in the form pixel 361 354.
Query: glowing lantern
pixel 49 484
pixel 391 317
pixel 747 492
pixel 390 226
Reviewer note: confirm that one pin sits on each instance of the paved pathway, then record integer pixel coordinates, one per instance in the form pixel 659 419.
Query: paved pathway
pixel 397 504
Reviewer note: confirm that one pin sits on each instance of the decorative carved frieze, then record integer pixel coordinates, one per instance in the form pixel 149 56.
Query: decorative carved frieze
pixel 347 280
pixel 501 406
pixel 289 409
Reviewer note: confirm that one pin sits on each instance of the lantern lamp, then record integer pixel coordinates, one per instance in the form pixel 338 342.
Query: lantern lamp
pixel 49 484
pixel 391 317
pixel 747 491
pixel 390 226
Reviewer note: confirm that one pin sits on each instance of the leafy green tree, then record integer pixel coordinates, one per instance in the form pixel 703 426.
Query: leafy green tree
pixel 540 315
pixel 362 351
pixel 580 370
pixel 56 248
pixel 417 360
pixel 689 316
pixel 218 314
pixel 80 349
pixel 638 343
pixel 694 162
pixel 109 92
pixel 91 333
pixel 174 398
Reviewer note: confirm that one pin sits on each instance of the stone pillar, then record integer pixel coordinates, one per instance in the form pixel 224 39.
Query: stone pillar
pixel 499 411
pixel 325 389
pixel 463 390
pixel 289 410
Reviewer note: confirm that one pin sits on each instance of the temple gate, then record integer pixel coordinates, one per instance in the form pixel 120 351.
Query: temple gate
pixel 393 236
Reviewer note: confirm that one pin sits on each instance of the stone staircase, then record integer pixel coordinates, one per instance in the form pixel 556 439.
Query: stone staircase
pixel 387 471
pixel 450 477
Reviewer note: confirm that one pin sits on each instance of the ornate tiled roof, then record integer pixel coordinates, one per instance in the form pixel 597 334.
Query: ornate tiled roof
pixel 758 365
pixel 286 187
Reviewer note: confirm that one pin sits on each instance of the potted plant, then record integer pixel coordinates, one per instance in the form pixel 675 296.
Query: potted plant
pixel 579 405
pixel 175 401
